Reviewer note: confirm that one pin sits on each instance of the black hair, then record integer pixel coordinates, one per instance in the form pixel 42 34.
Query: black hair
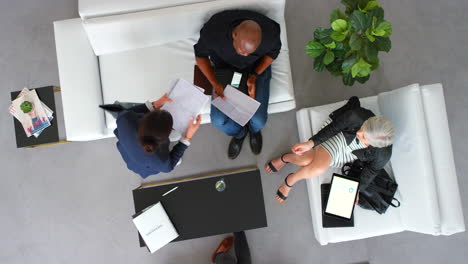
pixel 154 130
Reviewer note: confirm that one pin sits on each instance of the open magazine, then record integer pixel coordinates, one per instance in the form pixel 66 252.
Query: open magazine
pixel 33 114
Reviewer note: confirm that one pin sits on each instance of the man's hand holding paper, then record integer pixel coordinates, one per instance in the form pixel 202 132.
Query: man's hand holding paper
pixel 237 106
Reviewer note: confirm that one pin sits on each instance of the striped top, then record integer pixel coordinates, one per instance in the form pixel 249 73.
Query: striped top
pixel 339 150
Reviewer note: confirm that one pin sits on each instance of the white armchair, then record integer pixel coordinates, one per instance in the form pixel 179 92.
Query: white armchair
pixel 422 164
pixel 132 50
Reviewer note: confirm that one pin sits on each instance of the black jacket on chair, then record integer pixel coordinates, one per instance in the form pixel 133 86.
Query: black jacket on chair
pixel 348 120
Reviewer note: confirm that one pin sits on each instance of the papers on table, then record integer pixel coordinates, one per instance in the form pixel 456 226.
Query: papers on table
pixel 155 227
pixel 31 112
pixel 188 101
pixel 236 105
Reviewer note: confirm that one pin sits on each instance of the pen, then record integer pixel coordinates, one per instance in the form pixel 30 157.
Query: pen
pixel 171 190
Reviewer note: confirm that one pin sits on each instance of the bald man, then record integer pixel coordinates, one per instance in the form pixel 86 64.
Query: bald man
pixel 246 42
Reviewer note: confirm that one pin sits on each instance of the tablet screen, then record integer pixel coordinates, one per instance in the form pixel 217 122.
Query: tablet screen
pixel 342 196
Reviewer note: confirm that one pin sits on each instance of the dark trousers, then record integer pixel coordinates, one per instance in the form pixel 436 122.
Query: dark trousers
pixel 258 121
pixel 242 251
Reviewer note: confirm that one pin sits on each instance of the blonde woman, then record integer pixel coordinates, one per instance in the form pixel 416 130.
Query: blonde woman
pixel 351 133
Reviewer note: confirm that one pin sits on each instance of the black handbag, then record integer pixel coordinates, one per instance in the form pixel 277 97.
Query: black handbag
pixel 380 194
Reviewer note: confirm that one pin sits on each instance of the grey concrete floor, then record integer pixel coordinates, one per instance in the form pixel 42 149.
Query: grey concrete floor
pixel 72 203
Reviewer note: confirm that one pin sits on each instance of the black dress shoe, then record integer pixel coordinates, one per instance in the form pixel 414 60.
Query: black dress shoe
pixel 112 107
pixel 256 142
pixel 235 147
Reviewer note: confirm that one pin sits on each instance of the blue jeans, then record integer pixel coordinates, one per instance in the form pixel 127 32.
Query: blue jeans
pixel 259 119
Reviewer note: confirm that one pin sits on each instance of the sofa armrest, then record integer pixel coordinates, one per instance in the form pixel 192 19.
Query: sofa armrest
pixel 448 194
pixel 80 82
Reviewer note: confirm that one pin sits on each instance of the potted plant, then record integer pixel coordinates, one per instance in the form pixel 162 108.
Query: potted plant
pixel 26 107
pixel 350 47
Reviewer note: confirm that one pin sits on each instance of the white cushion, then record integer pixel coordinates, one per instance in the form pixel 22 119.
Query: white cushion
pixel 80 83
pixel 411 159
pixel 451 213
pixel 143 74
pixel 94 8
pixel 367 223
pixel 112 34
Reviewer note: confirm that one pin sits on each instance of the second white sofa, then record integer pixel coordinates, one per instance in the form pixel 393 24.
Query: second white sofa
pixel 422 164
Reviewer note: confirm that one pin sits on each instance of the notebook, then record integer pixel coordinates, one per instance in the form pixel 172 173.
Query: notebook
pixel 155 227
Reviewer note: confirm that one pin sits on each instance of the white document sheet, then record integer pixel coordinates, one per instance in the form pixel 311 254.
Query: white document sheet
pixel 155 227
pixel 236 105
pixel 188 101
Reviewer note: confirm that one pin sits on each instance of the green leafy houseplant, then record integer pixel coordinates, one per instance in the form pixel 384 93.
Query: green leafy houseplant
pixel 350 47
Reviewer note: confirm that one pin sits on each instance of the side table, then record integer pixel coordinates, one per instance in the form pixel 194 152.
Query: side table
pixel 50 136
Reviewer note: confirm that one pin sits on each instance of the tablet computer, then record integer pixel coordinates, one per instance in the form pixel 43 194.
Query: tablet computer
pixel 343 194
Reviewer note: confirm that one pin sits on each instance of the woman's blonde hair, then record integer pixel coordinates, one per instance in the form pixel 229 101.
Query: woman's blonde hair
pixel 379 131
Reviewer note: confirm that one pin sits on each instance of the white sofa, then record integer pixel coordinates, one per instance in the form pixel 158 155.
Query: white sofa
pixel 422 164
pixel 132 50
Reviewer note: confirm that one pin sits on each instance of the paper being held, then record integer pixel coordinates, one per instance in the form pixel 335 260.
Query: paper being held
pixel 236 105
pixel 188 101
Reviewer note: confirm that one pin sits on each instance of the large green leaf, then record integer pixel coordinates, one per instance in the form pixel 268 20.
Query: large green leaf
pixel 384 29
pixel 374 63
pixel 383 44
pixel 331 45
pixel 348 63
pixel 348 79
pixel 323 35
pixel 370 5
pixel 339 25
pixel 370 50
pixel 334 68
pixel 318 63
pixel 378 13
pixel 336 14
pixel 329 57
pixel 363 79
pixel 314 49
pixel 338 36
pixel 369 35
pixel 359 21
pixel 339 50
pixel 355 42
pixel 350 3
pixel 362 4
pixel 360 69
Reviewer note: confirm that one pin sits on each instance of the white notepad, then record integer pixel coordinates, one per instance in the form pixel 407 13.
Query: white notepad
pixel 155 227
pixel 188 101
pixel 236 105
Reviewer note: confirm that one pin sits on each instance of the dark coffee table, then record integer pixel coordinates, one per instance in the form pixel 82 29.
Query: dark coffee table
pixel 198 209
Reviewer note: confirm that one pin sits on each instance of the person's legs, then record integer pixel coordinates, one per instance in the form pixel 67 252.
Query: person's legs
pixel 262 94
pixel 231 128
pixel 302 160
pixel 220 255
pixel 259 119
pixel 226 124
pixel 320 163
pixel 242 248
pixel 224 258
